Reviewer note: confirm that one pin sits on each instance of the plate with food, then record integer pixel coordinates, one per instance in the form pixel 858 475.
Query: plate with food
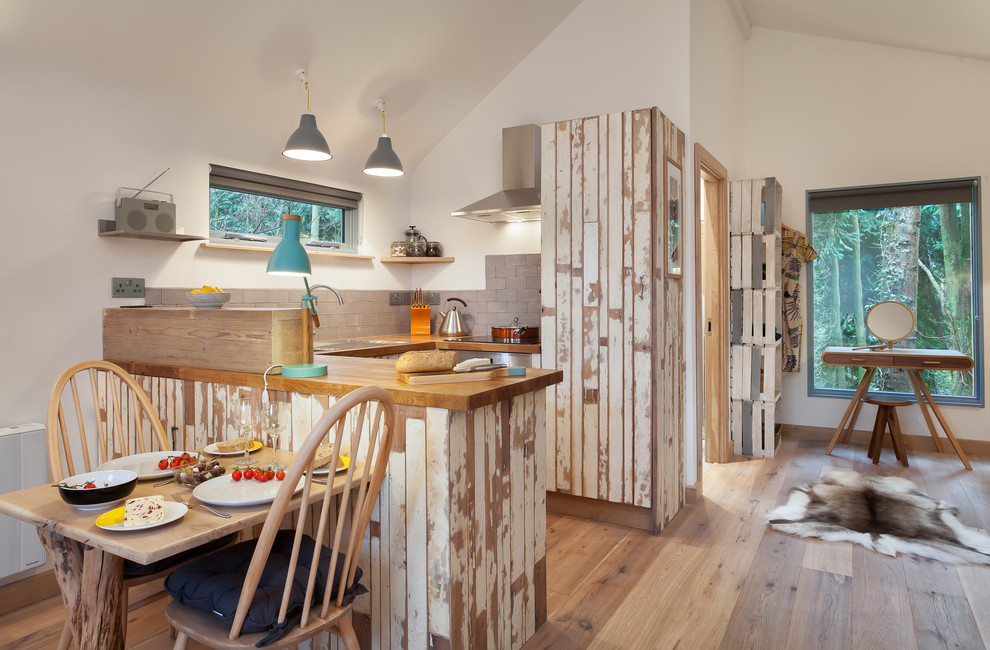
pixel 231 447
pixel 142 513
pixel 153 464
pixel 227 490
pixel 321 460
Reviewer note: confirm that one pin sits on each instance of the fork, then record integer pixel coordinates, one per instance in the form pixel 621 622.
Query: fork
pixel 178 498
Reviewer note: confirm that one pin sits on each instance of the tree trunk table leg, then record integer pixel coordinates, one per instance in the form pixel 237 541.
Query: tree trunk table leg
pixel 81 571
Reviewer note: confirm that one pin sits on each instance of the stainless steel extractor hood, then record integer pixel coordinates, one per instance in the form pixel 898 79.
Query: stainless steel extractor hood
pixel 519 199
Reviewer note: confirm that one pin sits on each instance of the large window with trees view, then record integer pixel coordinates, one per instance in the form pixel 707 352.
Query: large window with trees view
pixel 246 209
pixel 917 243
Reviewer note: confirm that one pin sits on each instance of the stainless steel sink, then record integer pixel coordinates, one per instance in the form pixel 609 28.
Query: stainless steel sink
pixel 351 344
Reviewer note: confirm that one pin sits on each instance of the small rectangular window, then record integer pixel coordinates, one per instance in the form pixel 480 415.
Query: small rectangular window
pixel 246 208
pixel 915 243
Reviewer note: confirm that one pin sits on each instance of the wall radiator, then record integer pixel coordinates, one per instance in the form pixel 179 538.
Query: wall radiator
pixel 23 464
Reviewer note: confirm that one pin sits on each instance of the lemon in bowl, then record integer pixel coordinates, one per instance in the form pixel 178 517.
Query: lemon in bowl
pixel 208 297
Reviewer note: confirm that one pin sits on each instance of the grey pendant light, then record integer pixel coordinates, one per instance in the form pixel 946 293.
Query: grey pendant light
pixel 306 142
pixel 383 161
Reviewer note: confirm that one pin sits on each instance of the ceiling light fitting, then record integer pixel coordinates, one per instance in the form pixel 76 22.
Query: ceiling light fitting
pixel 383 161
pixel 306 142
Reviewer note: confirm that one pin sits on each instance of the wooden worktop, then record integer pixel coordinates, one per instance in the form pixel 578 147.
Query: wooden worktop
pixel 407 342
pixel 344 374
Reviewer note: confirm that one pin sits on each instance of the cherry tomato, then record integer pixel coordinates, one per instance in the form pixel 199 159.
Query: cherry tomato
pixel 248 473
pixel 280 475
pixel 163 463
pixel 263 476
pixel 175 462
pixel 89 485
pixel 236 475
pixel 185 455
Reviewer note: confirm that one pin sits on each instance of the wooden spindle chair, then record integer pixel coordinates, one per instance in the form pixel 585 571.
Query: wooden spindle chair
pixel 366 416
pixel 97 412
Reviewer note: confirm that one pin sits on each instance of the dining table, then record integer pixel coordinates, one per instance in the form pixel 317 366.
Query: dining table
pixel 88 559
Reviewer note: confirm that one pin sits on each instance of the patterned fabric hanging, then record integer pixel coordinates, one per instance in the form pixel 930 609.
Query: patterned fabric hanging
pixel 795 251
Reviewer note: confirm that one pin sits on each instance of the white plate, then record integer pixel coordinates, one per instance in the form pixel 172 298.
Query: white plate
pixel 146 465
pixel 225 491
pixel 100 506
pixel 212 449
pixel 114 520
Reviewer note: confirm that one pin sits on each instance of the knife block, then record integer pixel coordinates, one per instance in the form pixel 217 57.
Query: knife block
pixel 419 319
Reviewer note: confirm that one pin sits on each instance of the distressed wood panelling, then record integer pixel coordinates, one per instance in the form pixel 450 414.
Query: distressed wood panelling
pixel 755 314
pixel 611 322
pixel 455 552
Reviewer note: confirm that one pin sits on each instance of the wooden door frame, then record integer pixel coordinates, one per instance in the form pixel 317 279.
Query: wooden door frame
pixel 718 447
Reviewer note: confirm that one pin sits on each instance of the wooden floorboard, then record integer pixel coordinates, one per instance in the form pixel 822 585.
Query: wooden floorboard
pixel 718 576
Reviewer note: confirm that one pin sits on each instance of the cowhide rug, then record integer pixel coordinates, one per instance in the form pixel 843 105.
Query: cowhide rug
pixel 884 513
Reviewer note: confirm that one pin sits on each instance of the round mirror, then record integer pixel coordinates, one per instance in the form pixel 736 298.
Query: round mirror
pixel 890 321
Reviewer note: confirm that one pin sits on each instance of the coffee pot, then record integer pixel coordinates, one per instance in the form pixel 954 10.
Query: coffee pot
pixel 451 323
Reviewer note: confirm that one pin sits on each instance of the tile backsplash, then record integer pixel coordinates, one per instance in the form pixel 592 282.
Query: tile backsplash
pixel 512 290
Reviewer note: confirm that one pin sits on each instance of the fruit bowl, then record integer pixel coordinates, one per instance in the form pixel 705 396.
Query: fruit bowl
pixel 212 300
pixel 110 487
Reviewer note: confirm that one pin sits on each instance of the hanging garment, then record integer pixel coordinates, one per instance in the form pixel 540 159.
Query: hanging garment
pixel 795 251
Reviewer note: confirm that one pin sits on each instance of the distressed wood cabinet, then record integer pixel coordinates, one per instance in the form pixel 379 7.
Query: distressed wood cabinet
pixel 613 316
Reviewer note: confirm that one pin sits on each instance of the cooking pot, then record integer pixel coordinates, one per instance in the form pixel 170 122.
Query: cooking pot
pixel 516 332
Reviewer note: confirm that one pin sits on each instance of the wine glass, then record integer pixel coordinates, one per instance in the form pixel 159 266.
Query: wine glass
pixel 247 422
pixel 272 426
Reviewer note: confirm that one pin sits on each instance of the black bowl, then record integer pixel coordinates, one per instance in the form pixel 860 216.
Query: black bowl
pixel 111 486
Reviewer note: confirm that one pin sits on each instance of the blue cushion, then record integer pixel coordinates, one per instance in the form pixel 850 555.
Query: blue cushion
pixel 213 582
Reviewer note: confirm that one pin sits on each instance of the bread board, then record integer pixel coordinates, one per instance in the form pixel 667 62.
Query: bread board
pixel 447 377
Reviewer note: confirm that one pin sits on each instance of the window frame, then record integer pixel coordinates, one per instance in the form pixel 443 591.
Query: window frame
pixel 903 191
pixel 239 180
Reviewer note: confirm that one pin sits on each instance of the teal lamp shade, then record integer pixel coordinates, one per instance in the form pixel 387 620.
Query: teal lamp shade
pixel 289 257
pixel 306 142
pixel 383 161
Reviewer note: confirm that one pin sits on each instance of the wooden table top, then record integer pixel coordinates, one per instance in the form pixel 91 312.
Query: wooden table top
pixel 345 374
pixel 906 358
pixel 43 507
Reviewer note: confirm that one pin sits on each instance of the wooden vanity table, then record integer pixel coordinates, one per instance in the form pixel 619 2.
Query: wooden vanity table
pixel 911 361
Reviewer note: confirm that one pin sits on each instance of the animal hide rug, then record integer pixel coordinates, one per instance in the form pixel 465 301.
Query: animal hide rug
pixel 888 514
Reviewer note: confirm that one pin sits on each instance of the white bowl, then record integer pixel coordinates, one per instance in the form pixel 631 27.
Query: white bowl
pixel 214 300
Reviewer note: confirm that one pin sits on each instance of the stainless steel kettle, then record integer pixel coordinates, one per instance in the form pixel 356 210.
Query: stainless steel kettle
pixel 451 323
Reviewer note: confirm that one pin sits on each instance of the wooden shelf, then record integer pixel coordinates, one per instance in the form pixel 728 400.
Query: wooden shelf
pixel 108 228
pixel 310 252
pixel 416 260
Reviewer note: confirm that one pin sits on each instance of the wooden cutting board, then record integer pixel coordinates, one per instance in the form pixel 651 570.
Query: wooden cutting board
pixel 447 377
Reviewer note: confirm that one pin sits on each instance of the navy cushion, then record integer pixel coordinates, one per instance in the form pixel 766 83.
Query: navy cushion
pixel 134 570
pixel 213 582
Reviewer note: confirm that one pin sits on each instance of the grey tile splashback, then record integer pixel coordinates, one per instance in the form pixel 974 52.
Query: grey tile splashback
pixel 512 290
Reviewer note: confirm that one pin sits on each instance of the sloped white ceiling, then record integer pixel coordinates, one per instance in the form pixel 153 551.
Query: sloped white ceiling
pixel 432 60
pixel 955 27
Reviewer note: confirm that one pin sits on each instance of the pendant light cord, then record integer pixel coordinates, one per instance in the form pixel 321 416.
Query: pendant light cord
pixel 383 122
pixel 306 83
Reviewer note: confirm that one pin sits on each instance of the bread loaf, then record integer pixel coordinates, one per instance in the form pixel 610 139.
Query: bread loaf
pixel 426 361
pixel 322 455
pixel 228 446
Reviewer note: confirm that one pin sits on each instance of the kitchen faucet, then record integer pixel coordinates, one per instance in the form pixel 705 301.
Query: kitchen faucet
pixel 309 300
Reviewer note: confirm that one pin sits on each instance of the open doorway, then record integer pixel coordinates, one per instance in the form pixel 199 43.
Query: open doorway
pixel 712 260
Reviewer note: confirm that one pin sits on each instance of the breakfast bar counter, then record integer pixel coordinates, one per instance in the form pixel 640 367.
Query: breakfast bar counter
pixel 455 556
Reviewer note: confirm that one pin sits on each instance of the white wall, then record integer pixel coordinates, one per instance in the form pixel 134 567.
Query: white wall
pixel 76 125
pixel 825 113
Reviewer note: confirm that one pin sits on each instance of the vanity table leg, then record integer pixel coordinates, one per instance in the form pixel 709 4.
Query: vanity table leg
pixel 916 383
pixel 941 419
pixel 91 582
pixel 864 383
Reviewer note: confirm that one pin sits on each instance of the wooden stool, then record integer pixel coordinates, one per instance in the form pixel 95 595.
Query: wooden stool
pixel 887 421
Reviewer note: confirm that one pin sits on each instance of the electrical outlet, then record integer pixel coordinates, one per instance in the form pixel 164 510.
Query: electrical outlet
pixel 127 287
pixel 399 298
pixel 433 297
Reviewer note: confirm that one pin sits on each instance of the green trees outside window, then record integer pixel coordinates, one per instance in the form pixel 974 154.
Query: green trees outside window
pixel 238 212
pixel 921 254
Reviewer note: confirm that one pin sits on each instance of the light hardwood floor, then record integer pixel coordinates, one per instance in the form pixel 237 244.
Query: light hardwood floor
pixel 718 577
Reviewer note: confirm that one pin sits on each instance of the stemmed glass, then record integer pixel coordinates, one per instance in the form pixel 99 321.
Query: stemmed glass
pixel 272 426
pixel 247 423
